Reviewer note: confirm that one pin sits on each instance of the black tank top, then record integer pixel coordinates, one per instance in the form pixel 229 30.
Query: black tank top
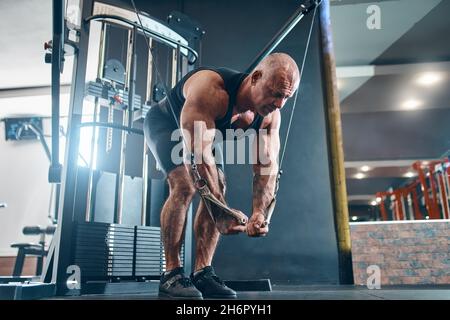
pixel 232 80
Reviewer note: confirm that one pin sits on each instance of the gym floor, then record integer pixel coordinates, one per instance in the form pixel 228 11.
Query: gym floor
pixel 302 292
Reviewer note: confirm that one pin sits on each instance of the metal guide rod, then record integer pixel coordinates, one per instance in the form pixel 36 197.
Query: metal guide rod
pixel 126 115
pixel 179 63
pixel 149 72
pixel 92 161
pixel 132 80
pixel 144 185
pixel 146 150
pixel 174 75
pixel 128 62
pixel 101 63
pixel 109 131
pixel 54 173
pixel 95 131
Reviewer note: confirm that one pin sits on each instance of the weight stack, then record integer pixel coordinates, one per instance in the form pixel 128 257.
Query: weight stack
pixel 115 252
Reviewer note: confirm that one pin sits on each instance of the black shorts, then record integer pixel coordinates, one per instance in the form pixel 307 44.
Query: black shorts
pixel 159 124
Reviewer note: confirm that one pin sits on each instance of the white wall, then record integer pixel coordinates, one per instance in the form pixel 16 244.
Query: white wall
pixel 22 54
pixel 24 187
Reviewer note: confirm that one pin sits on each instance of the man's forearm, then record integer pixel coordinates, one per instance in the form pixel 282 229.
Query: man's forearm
pixel 208 172
pixel 263 192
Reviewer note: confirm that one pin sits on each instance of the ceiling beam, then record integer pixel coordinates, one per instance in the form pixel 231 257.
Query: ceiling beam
pixel 379 70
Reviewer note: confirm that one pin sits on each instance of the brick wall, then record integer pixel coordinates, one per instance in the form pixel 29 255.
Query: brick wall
pixel 406 252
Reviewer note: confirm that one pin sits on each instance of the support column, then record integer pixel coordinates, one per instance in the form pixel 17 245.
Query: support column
pixel 335 147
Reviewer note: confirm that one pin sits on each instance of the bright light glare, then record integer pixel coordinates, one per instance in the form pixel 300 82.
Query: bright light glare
pixel 84 155
pixel 360 175
pixel 429 79
pixel 409 174
pixel 411 104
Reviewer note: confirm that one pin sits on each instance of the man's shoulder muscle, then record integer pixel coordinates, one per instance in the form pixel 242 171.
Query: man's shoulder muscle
pixel 206 89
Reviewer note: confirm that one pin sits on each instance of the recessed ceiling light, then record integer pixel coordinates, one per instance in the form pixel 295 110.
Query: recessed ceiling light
pixel 374 203
pixel 365 168
pixel 427 217
pixel 411 104
pixel 428 79
pixel 378 199
pixel 409 174
pixel 354 218
pixel 360 175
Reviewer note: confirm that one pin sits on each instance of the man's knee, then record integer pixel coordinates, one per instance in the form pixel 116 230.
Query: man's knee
pixel 181 185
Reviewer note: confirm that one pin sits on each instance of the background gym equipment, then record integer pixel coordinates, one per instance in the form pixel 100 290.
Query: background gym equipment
pixel 108 220
pixel 108 216
pixel 26 128
pixel 33 249
pixel 425 197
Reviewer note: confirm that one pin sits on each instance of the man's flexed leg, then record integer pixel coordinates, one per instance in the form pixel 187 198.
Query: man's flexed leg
pixel 206 236
pixel 174 283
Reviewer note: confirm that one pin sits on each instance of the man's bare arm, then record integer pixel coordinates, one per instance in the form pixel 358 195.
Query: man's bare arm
pixel 266 148
pixel 204 101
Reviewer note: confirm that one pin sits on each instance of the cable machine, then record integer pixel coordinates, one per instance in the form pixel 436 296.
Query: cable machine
pixel 108 234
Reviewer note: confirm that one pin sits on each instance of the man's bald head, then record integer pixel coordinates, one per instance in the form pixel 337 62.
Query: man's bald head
pixel 277 64
pixel 273 82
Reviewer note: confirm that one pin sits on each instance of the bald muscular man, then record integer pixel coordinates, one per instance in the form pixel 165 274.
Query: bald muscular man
pixel 221 99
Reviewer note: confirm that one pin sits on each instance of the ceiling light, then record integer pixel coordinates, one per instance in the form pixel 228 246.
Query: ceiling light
pixel 409 174
pixel 411 104
pixel 360 175
pixel 427 217
pixel 365 168
pixel 428 79
pixel 374 203
pixel 378 199
pixel 354 218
